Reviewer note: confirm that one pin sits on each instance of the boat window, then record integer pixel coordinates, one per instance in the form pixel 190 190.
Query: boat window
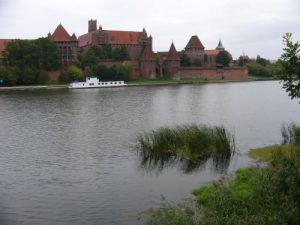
pixel 82 84
pixel 105 83
pixel 120 82
pixel 98 83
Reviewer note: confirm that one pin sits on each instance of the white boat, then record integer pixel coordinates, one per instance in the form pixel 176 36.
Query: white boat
pixel 94 82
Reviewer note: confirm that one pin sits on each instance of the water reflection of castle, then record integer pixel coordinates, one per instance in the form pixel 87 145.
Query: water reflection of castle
pixel 139 46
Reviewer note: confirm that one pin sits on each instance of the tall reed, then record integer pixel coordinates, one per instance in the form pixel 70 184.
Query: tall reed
pixel 188 141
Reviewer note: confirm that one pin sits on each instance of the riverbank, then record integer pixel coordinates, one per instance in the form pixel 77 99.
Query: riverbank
pixel 257 195
pixel 146 82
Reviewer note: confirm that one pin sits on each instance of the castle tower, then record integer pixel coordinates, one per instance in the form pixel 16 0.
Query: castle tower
pixel 194 48
pixel 220 46
pixel 172 63
pixel 147 63
pixel 67 45
pixel 92 25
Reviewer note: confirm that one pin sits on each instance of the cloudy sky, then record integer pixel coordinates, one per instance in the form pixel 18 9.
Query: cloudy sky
pixel 253 26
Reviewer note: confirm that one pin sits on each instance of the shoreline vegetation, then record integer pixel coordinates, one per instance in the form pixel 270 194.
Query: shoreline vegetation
pixel 147 82
pixel 257 195
pixel 189 147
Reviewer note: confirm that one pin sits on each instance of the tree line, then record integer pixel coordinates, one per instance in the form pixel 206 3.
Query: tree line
pixel 26 62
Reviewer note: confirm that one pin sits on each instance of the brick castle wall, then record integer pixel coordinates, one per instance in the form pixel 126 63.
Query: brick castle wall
pixel 215 73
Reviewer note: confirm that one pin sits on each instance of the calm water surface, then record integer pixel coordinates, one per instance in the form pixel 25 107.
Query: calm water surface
pixel 68 156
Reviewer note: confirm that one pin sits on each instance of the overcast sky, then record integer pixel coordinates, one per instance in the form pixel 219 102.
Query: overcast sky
pixel 253 26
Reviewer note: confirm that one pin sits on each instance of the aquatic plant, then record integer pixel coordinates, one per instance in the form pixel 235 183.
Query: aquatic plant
pixel 188 147
pixel 290 134
pixel 188 141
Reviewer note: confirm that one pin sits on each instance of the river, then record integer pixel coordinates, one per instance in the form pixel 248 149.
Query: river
pixel 69 156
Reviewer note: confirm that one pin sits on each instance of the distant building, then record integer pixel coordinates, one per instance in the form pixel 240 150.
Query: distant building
pixel 144 61
pixel 67 45
pixel 134 41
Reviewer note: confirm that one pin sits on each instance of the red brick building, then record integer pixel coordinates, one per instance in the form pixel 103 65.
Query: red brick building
pixel 134 41
pixel 67 45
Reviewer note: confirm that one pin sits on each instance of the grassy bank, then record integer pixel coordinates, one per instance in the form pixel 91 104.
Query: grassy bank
pixel 253 196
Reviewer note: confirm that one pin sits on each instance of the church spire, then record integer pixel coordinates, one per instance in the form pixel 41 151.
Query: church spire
pixel 220 46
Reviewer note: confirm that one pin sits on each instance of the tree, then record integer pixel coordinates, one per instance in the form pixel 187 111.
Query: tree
pixel 262 61
pixel 120 54
pixel 223 58
pixel 74 73
pixel 8 75
pixel 39 54
pixel 185 60
pixel 290 61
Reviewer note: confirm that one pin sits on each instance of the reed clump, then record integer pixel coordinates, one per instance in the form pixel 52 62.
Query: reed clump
pixel 188 141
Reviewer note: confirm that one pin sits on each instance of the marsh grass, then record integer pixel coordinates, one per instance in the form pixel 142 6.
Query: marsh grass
pixel 188 142
pixel 268 195
pixel 290 134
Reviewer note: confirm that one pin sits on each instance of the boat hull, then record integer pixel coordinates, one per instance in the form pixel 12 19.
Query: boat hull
pixel 92 82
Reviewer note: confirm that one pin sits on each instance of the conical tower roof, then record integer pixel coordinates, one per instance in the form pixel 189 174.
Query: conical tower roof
pixel 73 38
pixel 173 54
pixel 60 34
pixel 147 54
pixel 194 42
pixel 220 46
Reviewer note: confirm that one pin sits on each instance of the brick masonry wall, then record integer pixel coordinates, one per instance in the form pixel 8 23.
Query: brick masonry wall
pixel 53 76
pixel 214 73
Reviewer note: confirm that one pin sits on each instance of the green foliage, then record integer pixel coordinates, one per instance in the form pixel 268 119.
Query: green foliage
pixel 181 214
pixel 197 62
pixel 119 71
pixel 120 54
pixel 30 76
pixel 262 61
pixel 30 60
pixel 74 73
pixel 223 58
pixel 189 142
pixel 8 75
pixel 205 58
pixel 257 69
pixel 96 53
pixel 185 60
pixel 268 195
pixel 123 71
pixel 38 54
pixel 290 134
pixel 290 61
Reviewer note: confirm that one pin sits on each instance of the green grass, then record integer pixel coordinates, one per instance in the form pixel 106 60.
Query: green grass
pixel 53 86
pixel 255 196
pixel 265 154
pixel 259 78
pixel 264 196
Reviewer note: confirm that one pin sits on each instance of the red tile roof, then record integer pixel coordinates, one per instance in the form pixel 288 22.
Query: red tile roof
pixel 194 42
pixel 173 54
pixel 3 45
pixel 123 37
pixel 85 39
pixel 113 37
pixel 212 52
pixel 60 34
